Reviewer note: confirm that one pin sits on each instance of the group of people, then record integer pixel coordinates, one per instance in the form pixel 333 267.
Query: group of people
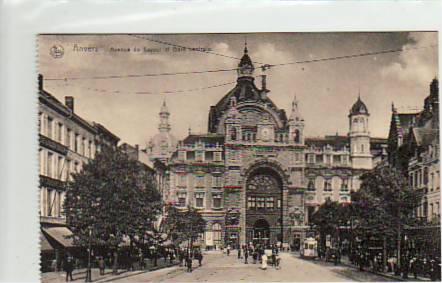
pixel 264 254
pixel 411 264
pixel 129 260
pixel 419 265
pixel 186 257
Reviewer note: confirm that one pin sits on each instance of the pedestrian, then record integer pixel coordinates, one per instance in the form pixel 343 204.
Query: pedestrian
pixel 255 256
pixel 101 265
pixel 246 255
pixel 171 256
pixel 228 250
pixel 239 253
pixel 278 262
pixel 335 257
pixel 189 263
pixel 274 259
pixel 361 261
pixel 264 262
pixel 68 266
pixel 405 267
pixel 413 267
pixel 200 258
pixel 181 257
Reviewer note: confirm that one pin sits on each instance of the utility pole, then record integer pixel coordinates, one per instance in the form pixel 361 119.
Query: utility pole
pixel 89 271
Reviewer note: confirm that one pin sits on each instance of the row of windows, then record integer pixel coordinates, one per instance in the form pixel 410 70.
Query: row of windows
pixel 56 166
pixel 423 177
pixel 217 181
pixel 200 156
pixel 360 124
pixel 320 199
pixel 262 203
pixel 429 210
pixel 64 135
pixel 327 184
pixel 199 200
pixel 51 203
pixel 248 135
pixel 327 159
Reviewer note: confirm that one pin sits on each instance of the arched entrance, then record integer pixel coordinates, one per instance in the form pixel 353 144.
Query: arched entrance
pixel 261 231
pixel 264 209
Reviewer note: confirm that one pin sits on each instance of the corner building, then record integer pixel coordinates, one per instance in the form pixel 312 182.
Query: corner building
pixel 255 176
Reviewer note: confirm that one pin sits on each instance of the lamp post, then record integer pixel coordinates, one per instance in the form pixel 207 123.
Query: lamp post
pixel 88 272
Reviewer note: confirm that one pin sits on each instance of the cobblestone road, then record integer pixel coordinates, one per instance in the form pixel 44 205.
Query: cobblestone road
pixel 218 267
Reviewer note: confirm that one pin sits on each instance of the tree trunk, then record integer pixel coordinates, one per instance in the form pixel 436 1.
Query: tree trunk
pixel 115 267
pixel 399 261
pixel 384 258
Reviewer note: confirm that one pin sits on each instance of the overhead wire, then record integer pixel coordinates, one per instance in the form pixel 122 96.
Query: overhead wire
pixel 264 67
pixel 190 48
pixel 100 90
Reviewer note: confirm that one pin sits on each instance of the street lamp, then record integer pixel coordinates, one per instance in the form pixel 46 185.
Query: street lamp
pixel 88 272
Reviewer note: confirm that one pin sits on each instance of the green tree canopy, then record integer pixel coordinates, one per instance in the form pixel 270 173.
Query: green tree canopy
pixel 330 216
pixel 183 225
pixel 385 201
pixel 112 197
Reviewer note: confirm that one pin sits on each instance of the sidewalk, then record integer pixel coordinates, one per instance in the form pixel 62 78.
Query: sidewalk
pixel 79 275
pixel 345 261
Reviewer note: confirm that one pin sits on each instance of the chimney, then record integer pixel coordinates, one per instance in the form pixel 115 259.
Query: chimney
pixel 264 89
pixel 40 82
pixel 264 82
pixel 69 102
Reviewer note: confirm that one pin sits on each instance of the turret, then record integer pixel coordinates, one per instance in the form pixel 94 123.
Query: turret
pixel 296 124
pixel 245 66
pixel 164 125
pixel 359 136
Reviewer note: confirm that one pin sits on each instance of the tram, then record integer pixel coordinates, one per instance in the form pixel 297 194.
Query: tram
pixel 309 249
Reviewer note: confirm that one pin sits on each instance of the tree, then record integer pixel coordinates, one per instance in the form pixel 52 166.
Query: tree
pixel 329 217
pixel 385 200
pixel 111 199
pixel 385 203
pixel 184 225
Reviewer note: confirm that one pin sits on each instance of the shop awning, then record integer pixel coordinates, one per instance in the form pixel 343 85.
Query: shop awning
pixel 45 246
pixel 60 234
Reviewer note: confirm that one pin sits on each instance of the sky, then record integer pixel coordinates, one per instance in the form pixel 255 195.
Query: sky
pixel 128 105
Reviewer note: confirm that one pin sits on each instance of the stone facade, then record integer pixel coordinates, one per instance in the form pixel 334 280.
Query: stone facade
pixel 255 176
pixel 414 148
pixel 66 143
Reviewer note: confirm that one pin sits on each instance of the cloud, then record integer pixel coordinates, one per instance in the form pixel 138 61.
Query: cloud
pixel 416 65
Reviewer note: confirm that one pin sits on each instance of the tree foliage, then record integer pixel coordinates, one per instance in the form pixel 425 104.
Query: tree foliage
pixel 385 201
pixel 183 225
pixel 113 197
pixel 330 216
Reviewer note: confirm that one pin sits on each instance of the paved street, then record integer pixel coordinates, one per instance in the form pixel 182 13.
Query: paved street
pixel 217 267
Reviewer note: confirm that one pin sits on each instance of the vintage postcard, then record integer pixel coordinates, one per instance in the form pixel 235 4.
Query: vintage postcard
pixel 276 157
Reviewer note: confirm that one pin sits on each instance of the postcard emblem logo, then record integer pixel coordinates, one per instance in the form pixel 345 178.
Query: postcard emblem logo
pixel 57 51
